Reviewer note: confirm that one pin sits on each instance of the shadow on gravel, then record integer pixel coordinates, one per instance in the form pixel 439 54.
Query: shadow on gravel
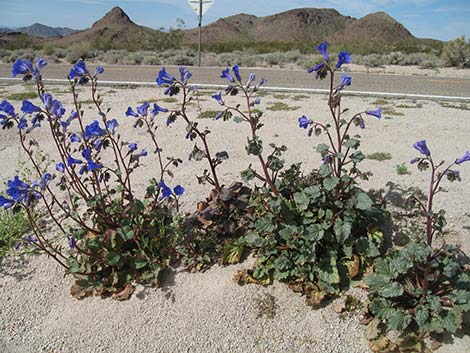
pixel 17 267
pixel 167 280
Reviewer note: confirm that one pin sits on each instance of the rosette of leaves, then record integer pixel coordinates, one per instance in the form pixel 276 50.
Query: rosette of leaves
pixel 421 290
pixel 398 302
pixel 309 239
pixel 133 245
pixel 213 232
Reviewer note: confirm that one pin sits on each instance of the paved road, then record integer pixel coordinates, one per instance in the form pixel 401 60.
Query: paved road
pixel 420 85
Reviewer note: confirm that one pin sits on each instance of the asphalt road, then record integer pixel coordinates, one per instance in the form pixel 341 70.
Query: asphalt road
pixel 420 85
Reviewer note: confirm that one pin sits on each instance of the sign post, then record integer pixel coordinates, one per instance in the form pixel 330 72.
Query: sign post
pixel 201 7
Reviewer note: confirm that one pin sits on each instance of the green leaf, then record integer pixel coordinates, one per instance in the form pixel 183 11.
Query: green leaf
pixel 450 321
pixel 362 201
pixel 399 320
pixel 321 148
pixel 238 119
pixel 140 263
pixel 113 258
pixel 330 182
pixel 265 225
pixel 352 143
pixel 421 316
pixel 221 156
pixel 342 230
pixel 301 200
pixel 394 289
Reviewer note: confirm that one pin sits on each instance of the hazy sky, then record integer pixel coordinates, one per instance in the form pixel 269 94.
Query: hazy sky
pixel 439 19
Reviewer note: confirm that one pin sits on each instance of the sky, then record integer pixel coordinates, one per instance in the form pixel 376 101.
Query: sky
pixel 438 19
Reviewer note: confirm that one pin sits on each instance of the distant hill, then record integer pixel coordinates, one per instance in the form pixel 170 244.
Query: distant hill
pixel 294 27
pixel 43 31
pixel 115 31
pixel 290 26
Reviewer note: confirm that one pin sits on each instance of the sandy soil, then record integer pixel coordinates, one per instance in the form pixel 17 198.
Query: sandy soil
pixel 207 312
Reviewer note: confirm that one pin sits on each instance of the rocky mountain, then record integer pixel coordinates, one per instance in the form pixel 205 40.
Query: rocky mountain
pixel 115 31
pixel 290 26
pixel 309 25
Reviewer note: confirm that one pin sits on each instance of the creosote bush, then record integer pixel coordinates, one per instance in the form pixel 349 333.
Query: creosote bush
pixel 316 230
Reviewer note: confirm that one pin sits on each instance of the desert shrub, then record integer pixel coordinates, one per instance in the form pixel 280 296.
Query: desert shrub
pixel 151 60
pixel 457 52
pixel 132 58
pixel 79 51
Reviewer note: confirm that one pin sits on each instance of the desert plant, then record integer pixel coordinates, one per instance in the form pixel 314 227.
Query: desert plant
pixel 114 238
pixel 421 290
pixel 457 52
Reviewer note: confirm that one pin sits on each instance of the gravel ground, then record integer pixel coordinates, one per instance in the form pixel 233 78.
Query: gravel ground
pixel 208 312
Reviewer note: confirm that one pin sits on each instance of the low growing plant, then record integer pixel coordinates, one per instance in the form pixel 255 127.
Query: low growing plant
pixel 421 290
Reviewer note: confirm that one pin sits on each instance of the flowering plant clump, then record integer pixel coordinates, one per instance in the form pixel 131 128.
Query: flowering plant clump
pixel 313 231
pixel 212 232
pixel 419 289
pixel 112 237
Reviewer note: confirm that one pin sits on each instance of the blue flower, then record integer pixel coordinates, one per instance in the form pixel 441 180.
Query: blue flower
pixel 21 67
pixel 17 189
pixel 29 108
pixel 60 167
pixel 345 80
pixel 185 74
pixel 464 158
pixel 236 71
pixel 131 112
pixel 136 157
pixel 164 78
pixel 78 70
pixel 226 74
pixel 171 91
pixel 98 144
pixel 322 48
pixel 98 71
pixel 157 109
pixel 53 106
pixel 40 63
pixel 93 166
pixel 304 122
pixel 30 240
pixel 251 79
pixel 415 160
pixel 6 203
pixel 74 138
pixel 8 108
pixel 178 190
pixel 23 124
pixel 86 153
pixel 112 125
pixel 262 82
pixel 255 102
pixel 343 58
pixel 377 113
pixel 218 115
pixel 422 148
pixel 166 191
pixel 316 68
pixel 46 178
pixel 132 147
pixel 93 129
pixel 71 161
pixel 72 243
pixel 143 109
pixel 218 98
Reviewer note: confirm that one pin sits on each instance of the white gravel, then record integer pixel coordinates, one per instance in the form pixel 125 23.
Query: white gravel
pixel 208 312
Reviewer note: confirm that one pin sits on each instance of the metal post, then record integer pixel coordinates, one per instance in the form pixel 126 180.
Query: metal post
pixel 200 33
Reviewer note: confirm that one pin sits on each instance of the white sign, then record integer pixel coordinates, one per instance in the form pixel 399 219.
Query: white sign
pixel 205 5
